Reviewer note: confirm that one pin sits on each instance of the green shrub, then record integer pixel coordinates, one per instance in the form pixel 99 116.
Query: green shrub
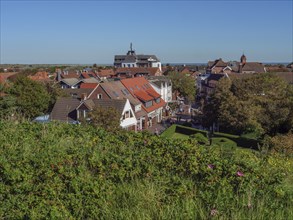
pixel 63 171
pixel 201 139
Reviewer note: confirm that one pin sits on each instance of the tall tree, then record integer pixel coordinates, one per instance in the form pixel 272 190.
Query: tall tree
pixel 183 84
pixel 109 118
pixel 259 103
pixel 32 98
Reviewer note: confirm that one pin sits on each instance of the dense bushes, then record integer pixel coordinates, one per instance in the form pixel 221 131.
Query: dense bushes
pixel 72 171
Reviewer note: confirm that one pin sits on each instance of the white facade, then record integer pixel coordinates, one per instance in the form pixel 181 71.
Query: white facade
pixel 165 89
pixel 157 64
pixel 128 65
pixel 128 118
pixel 200 79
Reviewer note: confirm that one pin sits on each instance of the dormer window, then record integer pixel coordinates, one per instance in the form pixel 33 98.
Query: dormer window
pixel 148 104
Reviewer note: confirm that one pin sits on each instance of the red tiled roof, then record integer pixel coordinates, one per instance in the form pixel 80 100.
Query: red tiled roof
pixel 143 95
pixel 106 73
pixel 153 93
pixel 88 85
pixel 70 75
pixel 87 75
pixel 155 106
pixel 4 76
pixel 152 71
pixel 139 87
pixel 40 76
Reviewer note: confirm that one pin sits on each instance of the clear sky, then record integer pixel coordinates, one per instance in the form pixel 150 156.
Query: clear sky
pixel 88 32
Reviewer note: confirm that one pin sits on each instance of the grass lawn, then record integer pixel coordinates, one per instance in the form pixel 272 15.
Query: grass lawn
pixel 219 139
pixel 224 142
pixel 180 136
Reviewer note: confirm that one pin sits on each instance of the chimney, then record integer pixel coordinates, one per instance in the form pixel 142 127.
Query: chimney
pixel 58 75
pixel 83 96
pixel 240 67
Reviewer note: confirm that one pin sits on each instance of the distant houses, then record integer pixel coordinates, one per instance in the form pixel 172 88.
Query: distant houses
pixel 217 69
pixel 142 105
pixel 220 66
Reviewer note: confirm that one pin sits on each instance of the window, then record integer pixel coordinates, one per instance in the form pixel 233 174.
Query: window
pixel 148 104
pixel 99 96
pixel 124 91
pixel 127 114
pixel 116 94
pixel 157 100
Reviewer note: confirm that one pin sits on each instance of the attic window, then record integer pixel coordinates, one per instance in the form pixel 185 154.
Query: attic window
pixel 115 93
pixel 148 104
pixel 127 114
pixel 124 91
pixel 99 96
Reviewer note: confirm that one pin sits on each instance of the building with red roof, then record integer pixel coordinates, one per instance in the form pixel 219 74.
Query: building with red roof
pixel 151 101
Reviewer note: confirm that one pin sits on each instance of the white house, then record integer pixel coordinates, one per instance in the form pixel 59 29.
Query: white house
pixel 127 120
pixel 131 59
pixel 163 86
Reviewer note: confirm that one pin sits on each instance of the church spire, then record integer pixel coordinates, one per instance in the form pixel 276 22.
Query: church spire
pixel 131 51
pixel 243 59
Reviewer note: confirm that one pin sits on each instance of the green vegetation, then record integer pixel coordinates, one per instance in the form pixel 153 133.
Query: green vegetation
pixel 63 171
pixel 107 118
pixel 259 104
pixel 218 138
pixel 27 98
pixel 183 84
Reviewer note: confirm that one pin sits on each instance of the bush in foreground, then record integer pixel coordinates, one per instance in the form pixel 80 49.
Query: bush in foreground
pixel 78 172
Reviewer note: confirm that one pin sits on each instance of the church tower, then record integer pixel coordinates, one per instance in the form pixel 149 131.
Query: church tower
pixel 243 59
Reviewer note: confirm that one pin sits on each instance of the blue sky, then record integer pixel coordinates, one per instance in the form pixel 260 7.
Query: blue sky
pixel 87 32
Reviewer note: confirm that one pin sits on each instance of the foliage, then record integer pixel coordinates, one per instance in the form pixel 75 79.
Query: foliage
pixel 24 73
pixel 26 97
pixel 7 106
pixel 63 171
pixel 201 139
pixel 224 142
pixel 109 118
pixel 282 144
pixel 239 140
pixel 55 91
pixel 183 84
pixel 258 103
